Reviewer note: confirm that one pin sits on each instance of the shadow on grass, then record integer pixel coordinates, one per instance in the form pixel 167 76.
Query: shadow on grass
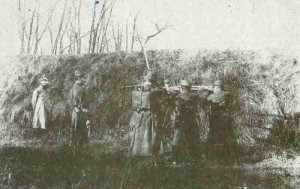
pixel 97 167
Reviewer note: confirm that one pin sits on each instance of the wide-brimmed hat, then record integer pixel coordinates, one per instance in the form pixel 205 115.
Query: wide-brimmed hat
pixel 44 81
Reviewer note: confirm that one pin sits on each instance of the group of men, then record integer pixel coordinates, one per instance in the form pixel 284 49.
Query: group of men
pixel 158 109
pixel 80 124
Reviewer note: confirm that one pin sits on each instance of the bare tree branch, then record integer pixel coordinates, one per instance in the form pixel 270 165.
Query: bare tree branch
pixel 133 32
pixel 143 44
pixel 126 47
pixel 64 31
pixel 31 28
pixel 71 43
pixel 144 51
pixel 79 30
pixel 60 28
pixel 92 28
pixel 106 26
pixel 159 30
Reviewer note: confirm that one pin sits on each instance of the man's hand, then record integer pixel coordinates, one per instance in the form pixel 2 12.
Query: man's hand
pixel 85 110
pixel 76 109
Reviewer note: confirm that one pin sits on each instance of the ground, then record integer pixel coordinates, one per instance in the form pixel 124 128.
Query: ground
pixel 103 165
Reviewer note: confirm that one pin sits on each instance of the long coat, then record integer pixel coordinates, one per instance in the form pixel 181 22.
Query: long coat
pixel 221 136
pixel 41 105
pixel 148 121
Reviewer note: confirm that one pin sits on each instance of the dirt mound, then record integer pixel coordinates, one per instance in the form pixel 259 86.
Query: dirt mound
pixel 248 75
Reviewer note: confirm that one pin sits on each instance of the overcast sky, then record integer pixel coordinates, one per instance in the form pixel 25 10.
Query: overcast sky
pixel 196 24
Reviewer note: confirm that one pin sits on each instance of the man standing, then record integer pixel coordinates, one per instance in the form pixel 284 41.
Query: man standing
pixel 186 131
pixel 161 110
pixel 141 122
pixel 41 104
pixel 220 140
pixel 79 121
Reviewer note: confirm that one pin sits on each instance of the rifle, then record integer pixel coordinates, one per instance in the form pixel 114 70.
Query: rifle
pixel 201 88
pixel 193 88
pixel 132 86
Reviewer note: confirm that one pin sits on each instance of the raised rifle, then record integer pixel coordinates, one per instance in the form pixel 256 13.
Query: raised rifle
pixel 193 88
pixel 137 87
pixel 201 88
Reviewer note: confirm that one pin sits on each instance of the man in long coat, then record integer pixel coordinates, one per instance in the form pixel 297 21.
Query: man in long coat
pixel 41 104
pixel 141 123
pixel 221 139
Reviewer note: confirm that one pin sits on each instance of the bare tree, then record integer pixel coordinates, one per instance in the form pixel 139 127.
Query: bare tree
pixel 79 30
pixel 22 22
pixel 59 29
pixel 92 27
pixel 39 36
pixel 133 32
pixel 117 36
pixel 76 26
pixel 29 42
pixel 64 32
pixel 143 43
pixel 104 37
pixel 98 26
pixel 126 35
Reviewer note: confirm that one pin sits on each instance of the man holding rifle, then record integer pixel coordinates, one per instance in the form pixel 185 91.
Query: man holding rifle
pixel 186 132
pixel 79 124
pixel 220 140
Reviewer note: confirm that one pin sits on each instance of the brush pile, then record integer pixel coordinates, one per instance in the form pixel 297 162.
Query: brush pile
pixel 263 84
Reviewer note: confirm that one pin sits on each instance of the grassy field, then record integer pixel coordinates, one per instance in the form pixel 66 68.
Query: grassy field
pixel 100 166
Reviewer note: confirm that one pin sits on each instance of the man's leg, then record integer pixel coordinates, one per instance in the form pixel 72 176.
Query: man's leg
pixel 192 136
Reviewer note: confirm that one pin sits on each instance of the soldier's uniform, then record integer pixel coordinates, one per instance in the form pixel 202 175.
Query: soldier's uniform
pixel 161 111
pixel 141 123
pixel 147 122
pixel 41 104
pixel 79 116
pixel 220 139
pixel 186 133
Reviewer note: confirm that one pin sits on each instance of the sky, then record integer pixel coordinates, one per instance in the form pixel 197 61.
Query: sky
pixel 195 24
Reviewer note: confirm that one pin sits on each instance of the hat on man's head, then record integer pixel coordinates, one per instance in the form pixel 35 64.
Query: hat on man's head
pixel 166 81
pixel 219 82
pixel 185 83
pixel 77 73
pixel 44 81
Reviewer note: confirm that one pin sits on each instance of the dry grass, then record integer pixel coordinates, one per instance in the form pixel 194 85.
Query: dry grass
pixel 258 81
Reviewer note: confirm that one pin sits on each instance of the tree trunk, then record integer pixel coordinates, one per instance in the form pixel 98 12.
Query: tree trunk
pixel 133 33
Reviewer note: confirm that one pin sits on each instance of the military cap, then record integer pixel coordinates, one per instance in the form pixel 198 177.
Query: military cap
pixel 78 73
pixel 44 81
pixel 166 81
pixel 185 83
pixel 218 83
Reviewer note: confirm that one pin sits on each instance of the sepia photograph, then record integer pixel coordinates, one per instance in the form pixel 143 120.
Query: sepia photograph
pixel 141 94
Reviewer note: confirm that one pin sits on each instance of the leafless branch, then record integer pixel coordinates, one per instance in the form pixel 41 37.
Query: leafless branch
pixel 60 28
pixel 133 32
pixel 159 30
